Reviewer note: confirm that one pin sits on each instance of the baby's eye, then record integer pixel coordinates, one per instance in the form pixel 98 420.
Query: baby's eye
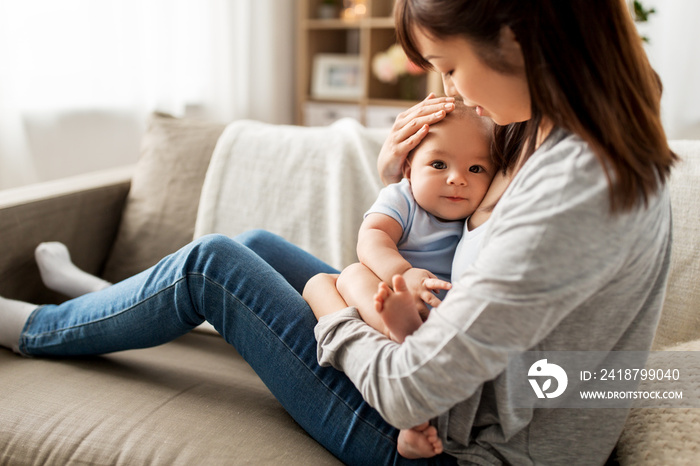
pixel 438 165
pixel 476 169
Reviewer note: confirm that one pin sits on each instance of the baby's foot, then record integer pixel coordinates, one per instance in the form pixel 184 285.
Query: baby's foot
pixel 419 442
pixel 60 274
pixel 397 309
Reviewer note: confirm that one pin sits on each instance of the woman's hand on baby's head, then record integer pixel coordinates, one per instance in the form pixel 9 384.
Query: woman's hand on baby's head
pixel 430 110
pixel 409 129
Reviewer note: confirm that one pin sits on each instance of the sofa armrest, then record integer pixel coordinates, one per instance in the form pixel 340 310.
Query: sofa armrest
pixel 82 211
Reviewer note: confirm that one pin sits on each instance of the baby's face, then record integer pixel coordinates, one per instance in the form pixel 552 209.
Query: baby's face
pixel 451 169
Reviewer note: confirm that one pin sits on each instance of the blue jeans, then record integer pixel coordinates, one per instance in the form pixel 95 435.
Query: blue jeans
pixel 249 290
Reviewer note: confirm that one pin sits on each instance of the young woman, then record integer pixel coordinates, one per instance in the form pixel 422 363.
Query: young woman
pixel 575 257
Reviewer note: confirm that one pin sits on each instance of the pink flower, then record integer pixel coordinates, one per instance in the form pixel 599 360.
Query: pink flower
pixel 413 69
pixel 383 69
pixel 388 66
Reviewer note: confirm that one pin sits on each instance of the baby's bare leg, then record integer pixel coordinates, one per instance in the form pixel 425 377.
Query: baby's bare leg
pixel 322 295
pixel 357 285
pixel 419 442
pixel 397 309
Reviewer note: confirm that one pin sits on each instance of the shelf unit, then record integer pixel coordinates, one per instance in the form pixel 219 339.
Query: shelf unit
pixel 362 36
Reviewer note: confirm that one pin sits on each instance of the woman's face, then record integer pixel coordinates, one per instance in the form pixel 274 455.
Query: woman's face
pixel 504 97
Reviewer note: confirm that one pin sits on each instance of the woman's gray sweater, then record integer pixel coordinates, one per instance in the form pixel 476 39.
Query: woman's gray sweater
pixel 557 272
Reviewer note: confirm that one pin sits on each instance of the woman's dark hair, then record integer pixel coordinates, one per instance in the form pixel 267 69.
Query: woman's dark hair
pixel 587 73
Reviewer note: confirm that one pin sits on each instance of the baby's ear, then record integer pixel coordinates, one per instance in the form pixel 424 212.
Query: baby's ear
pixel 407 169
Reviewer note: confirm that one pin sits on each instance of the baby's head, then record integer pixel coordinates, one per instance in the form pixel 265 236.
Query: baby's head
pixel 452 168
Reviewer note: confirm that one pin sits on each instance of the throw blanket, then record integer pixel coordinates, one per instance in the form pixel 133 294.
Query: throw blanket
pixel 310 185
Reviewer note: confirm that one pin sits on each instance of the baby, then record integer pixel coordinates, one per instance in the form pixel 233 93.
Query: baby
pixel 412 231
pixel 414 226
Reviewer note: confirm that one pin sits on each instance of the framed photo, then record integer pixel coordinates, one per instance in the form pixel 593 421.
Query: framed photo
pixel 337 76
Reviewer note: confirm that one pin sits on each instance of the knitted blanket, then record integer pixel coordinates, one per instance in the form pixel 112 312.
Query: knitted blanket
pixel 310 185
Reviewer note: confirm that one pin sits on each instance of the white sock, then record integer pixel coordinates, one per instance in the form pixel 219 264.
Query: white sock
pixel 60 274
pixel 13 316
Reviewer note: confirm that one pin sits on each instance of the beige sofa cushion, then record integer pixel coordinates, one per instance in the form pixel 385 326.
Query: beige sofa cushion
pixel 661 436
pixel 192 401
pixel 680 319
pixel 161 206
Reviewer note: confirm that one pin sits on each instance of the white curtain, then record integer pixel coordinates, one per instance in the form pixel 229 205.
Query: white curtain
pixel 674 51
pixel 217 59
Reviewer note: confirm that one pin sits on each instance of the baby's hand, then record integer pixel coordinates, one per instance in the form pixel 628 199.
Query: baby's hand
pixel 423 285
pixel 403 309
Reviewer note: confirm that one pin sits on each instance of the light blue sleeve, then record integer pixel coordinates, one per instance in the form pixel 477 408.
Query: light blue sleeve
pixel 396 201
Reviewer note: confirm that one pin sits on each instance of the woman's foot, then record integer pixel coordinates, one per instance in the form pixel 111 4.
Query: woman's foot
pixel 397 309
pixel 419 442
pixel 60 274
pixel 13 316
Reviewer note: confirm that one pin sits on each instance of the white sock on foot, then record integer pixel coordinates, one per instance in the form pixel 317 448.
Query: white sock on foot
pixel 13 316
pixel 60 274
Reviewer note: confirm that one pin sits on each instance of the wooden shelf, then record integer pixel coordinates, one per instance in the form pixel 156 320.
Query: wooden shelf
pixel 331 24
pixel 381 22
pixel 337 23
pixel 362 37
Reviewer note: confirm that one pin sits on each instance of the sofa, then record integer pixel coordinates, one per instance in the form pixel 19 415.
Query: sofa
pixel 194 400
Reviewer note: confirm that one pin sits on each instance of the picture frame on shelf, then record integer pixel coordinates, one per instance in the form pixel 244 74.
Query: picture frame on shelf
pixel 337 76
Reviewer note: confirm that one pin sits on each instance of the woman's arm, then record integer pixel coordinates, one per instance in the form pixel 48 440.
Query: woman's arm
pixel 409 128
